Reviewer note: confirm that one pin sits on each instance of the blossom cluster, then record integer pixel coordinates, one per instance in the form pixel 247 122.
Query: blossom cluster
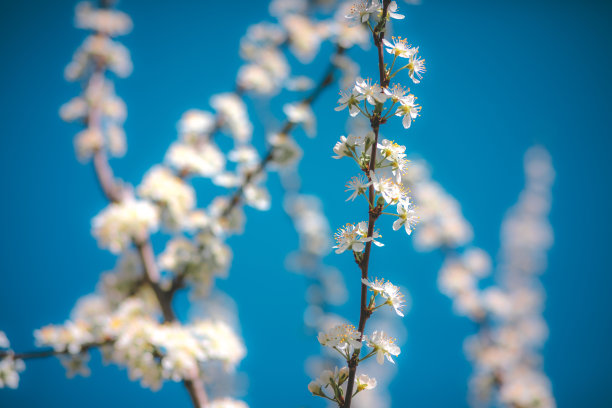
pixel 151 351
pixel 505 351
pixel 382 164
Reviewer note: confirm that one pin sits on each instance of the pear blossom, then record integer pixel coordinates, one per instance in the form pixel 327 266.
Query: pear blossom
pixel 360 12
pixel 388 291
pixel 196 122
pixel 373 93
pixel 120 223
pixel 363 382
pixel 416 67
pixel 399 47
pixel 4 341
pixel 342 337
pixel 383 345
pixel 227 403
pixel 9 371
pixel 346 145
pixel 408 109
pixel 396 93
pixel 358 185
pixel 407 216
pixel 350 237
pixel 350 99
pixel 362 227
pixel 301 113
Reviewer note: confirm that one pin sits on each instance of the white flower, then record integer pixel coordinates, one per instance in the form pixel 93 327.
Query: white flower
pixel 120 223
pixel 257 197
pixel 383 345
pixel 350 99
pixel 107 21
pixel 4 342
pixel 76 364
pixel 222 343
pixel 346 145
pixel 407 216
pixel 87 142
pixel 391 11
pixel 350 237
pixel 373 92
pixel 227 403
pixel 9 372
pixel 416 67
pixel 399 48
pixel 162 186
pixel 205 160
pixel 391 191
pixel 196 122
pixel 233 114
pixel 362 227
pixel 358 185
pixel 342 337
pixel 394 153
pixel 408 109
pixel 397 93
pixel 360 12
pixel 388 291
pixel 363 382
pixel 301 113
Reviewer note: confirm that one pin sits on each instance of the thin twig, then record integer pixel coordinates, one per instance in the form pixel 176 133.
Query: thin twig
pixel 373 213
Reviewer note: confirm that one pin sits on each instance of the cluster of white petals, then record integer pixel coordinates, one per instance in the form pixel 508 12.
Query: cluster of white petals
pixel 121 223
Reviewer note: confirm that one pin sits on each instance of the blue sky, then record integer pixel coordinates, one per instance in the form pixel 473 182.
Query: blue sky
pixel 502 75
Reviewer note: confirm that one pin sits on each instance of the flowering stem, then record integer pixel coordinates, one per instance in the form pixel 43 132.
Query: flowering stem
pixel 373 213
pixel 327 79
pixel 28 355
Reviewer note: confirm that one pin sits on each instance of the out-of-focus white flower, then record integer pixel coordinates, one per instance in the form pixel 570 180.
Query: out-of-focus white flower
pixel 221 342
pixel 286 151
pixel 233 115
pixel 301 114
pixel 107 21
pixel 304 36
pixel 120 223
pixel 160 185
pixel 205 160
pixel 4 341
pixel 87 142
pixel 9 371
pixel 70 337
pixel 227 403
pixel 383 345
pixel 195 123
pixel 76 364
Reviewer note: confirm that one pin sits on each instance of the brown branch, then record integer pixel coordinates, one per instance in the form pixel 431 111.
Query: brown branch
pixel 373 213
pixel 287 127
pixel 28 355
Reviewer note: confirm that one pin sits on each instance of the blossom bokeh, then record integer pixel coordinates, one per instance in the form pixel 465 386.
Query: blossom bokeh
pixel 501 77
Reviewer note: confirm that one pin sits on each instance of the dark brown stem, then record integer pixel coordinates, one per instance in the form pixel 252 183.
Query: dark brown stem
pixel 287 127
pixel 28 355
pixel 373 213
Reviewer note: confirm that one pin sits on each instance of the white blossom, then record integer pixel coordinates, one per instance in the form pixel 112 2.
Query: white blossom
pixel 383 345
pixel 120 223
